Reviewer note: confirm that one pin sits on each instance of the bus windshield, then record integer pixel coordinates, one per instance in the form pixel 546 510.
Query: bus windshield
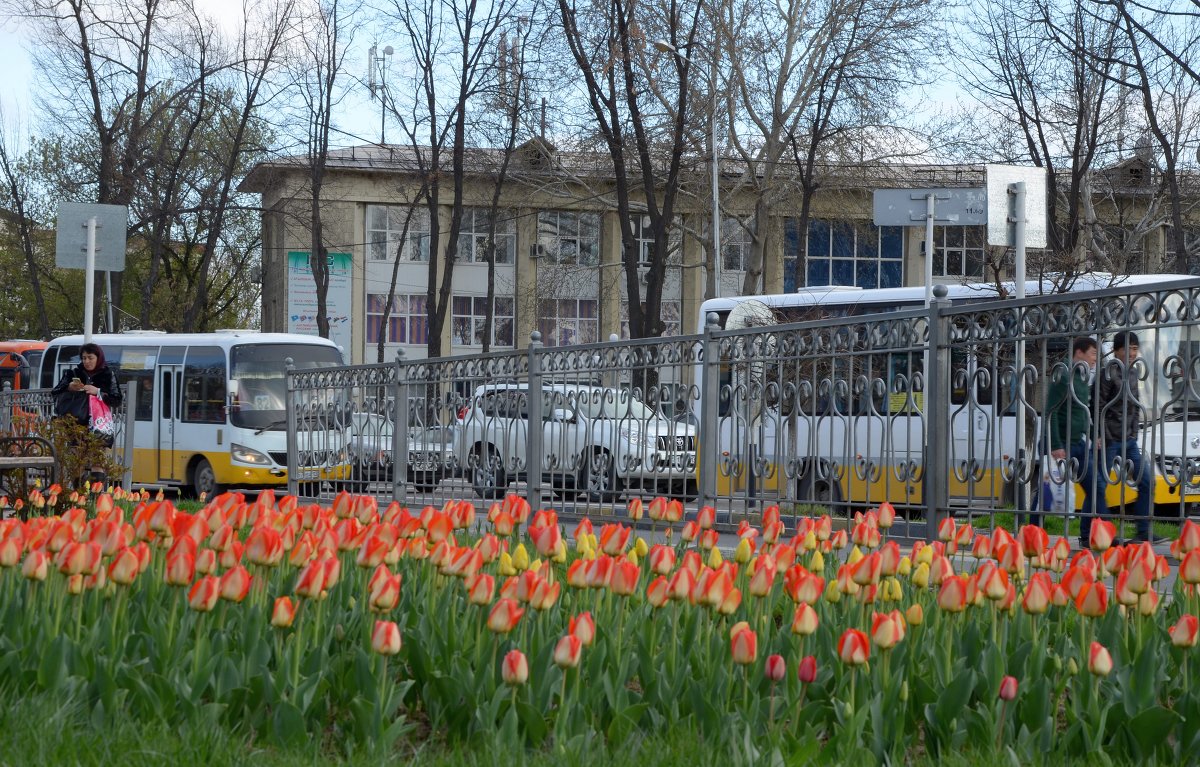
pixel 258 372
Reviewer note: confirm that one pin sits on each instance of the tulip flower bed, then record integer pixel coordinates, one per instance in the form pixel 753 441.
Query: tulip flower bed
pixel 352 624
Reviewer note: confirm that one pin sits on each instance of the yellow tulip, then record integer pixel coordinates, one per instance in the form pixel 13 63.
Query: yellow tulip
pixel 920 576
pixel 632 556
pixel 905 566
pixel 925 555
pixel 915 614
pixel 520 558
pixel 810 541
pixel 714 558
pixel 855 555
pixel 506 564
pixel 742 554
pixel 832 594
pixel 817 563
pixel 641 547
pixel 560 552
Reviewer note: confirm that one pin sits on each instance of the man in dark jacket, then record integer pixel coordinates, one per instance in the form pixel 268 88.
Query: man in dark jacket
pixel 1121 415
pixel 1069 427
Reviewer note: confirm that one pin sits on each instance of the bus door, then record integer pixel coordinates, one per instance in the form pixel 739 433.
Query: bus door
pixel 170 379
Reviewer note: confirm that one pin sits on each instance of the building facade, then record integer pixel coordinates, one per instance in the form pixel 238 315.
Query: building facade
pixel 558 243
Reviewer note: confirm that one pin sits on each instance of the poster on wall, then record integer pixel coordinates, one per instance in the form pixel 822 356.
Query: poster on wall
pixel 302 297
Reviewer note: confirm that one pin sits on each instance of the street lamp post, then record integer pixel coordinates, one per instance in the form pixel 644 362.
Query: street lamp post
pixel 666 47
pixel 375 65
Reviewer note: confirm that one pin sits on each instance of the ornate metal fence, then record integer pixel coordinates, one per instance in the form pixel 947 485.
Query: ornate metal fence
pixel 838 412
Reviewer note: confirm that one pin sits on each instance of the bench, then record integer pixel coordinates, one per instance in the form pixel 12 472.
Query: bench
pixel 22 454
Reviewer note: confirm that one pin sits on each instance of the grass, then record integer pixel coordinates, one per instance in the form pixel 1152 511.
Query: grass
pixel 1055 526
pixel 43 730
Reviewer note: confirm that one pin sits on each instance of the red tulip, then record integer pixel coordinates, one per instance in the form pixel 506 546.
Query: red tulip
pixel 283 613
pixel 661 559
pixel 658 592
pixel 514 669
pixel 806 672
pixel 385 639
pixel 775 668
pixel 1034 540
pixel 1189 568
pixel 36 565
pixel 887 629
pixel 204 593
pixel 1100 662
pixel 264 547
pixel 1102 535
pixel 582 626
pixel 624 578
pixel 1189 536
pixel 504 616
pixel 481 587
pixel 545 595
pixel 706 517
pixel 1008 688
pixel 805 620
pixel 124 567
pixel 1092 601
pixel 952 597
pixel 853 648
pixel 744 646
pixel 567 652
pixel 181 563
pixel 235 584
pixel 1185 630
pixel 384 593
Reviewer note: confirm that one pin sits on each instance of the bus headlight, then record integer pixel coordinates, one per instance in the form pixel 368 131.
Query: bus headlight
pixel 243 454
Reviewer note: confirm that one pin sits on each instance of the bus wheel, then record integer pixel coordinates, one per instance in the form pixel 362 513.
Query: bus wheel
pixel 204 480
pixel 819 491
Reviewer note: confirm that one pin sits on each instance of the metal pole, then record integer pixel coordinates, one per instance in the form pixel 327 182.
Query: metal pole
pixel 293 426
pixel 937 417
pixel 401 458
pixel 930 210
pixel 533 439
pixel 89 281
pixel 1017 191
pixel 710 398
pixel 716 190
pixel 109 327
pixel 131 391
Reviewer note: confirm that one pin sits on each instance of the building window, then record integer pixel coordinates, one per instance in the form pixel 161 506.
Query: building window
pixel 385 229
pixel 735 245
pixel 643 235
pixel 468 315
pixel 853 253
pixel 473 237
pixel 408 321
pixel 958 251
pixel 671 310
pixel 568 237
pixel 568 321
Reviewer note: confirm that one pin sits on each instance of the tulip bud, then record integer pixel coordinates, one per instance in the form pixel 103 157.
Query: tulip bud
pixel 920 576
pixel 385 639
pixel 915 614
pixel 514 669
pixel 1008 688
pixel 567 652
pixel 775 668
pixel 807 671
pixel 1072 667
pixel 1100 662
pixel 715 560
pixel 817 563
pixel 904 690
pixel 283 613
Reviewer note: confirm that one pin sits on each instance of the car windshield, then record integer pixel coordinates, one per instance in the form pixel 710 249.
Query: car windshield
pixel 611 403
pixel 258 371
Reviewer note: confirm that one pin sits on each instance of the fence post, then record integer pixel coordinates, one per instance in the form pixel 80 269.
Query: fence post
pixel 131 390
pixel 937 415
pixel 400 457
pixel 710 398
pixel 533 439
pixel 293 454
pixel 6 410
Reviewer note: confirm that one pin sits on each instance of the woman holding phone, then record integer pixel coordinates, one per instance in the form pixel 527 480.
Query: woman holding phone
pixel 92 377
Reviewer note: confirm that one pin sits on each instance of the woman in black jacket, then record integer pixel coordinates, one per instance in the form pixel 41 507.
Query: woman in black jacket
pixel 91 377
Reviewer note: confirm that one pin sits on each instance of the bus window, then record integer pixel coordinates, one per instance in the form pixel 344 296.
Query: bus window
pixel 204 385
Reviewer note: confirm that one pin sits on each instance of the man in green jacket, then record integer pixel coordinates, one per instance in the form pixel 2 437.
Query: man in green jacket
pixel 1069 429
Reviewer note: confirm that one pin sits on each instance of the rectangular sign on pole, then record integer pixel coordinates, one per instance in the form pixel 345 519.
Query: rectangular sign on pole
pixel 71 237
pixel 955 206
pixel 1001 224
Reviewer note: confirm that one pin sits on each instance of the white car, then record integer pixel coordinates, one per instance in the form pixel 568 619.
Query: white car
pixel 596 441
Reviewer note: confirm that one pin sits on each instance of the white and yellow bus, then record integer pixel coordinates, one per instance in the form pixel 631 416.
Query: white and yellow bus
pixel 891 429
pixel 210 408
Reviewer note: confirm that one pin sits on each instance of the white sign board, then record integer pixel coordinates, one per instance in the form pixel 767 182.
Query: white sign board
pixel 1000 223
pixel 302 296
pixel 70 244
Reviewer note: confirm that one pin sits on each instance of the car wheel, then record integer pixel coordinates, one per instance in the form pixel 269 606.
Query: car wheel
pixel 598 477
pixel 204 480
pixel 487 473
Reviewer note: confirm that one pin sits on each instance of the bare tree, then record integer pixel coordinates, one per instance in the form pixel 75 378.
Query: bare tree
pixel 801 72
pixel 451 47
pixel 15 196
pixel 642 118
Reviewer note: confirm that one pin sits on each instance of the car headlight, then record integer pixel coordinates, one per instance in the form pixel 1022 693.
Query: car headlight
pixel 243 454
